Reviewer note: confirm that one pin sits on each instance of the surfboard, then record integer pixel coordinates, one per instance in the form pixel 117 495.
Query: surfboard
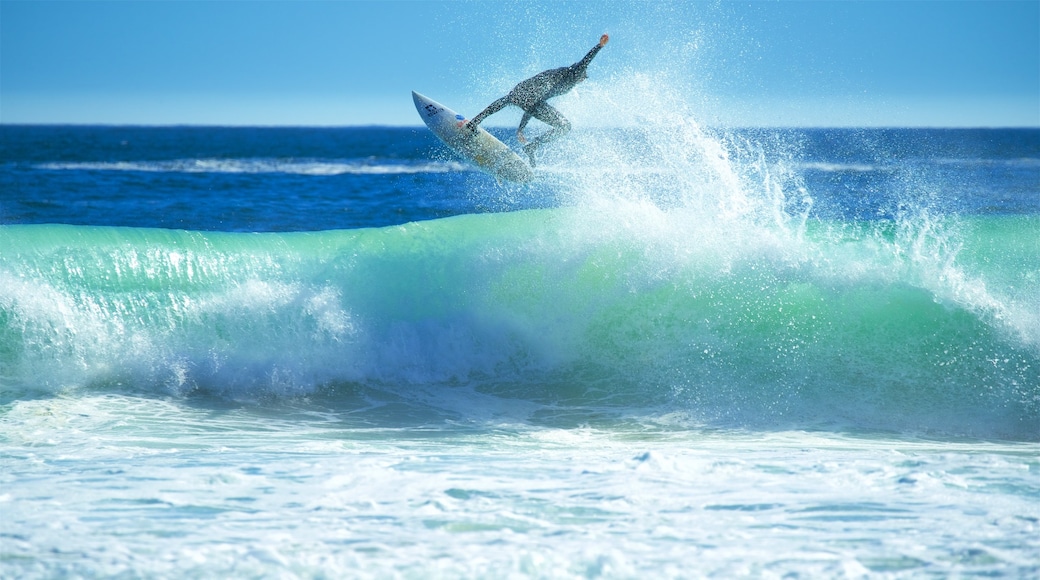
pixel 479 147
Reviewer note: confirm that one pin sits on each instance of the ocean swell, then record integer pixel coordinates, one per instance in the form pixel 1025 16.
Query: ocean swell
pixel 559 308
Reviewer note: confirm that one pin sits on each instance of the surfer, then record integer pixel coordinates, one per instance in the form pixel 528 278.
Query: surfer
pixel 531 96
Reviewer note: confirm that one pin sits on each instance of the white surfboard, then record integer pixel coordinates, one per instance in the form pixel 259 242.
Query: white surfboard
pixel 480 147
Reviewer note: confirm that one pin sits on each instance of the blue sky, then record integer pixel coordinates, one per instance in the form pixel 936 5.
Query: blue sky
pixel 779 63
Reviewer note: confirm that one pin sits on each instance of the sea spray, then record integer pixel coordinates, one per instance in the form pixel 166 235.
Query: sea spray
pixel 721 194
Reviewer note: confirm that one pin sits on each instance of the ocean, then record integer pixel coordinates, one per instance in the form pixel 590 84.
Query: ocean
pixel 680 352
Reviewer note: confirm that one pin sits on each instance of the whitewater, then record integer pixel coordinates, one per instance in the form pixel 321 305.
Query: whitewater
pixel 342 352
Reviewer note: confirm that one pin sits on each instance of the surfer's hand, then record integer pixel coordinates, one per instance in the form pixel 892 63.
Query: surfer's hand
pixel 603 40
pixel 520 138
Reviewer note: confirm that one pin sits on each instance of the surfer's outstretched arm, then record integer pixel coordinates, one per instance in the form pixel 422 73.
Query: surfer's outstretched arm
pixel 490 110
pixel 584 62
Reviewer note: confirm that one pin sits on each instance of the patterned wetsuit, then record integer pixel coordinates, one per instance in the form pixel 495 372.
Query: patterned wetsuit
pixel 531 96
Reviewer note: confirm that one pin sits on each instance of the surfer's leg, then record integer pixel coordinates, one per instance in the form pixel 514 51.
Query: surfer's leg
pixel 545 113
pixel 490 110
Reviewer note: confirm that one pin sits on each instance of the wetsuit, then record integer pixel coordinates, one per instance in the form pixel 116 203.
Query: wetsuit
pixel 531 96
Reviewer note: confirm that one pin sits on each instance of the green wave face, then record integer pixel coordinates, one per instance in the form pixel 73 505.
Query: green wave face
pixel 917 326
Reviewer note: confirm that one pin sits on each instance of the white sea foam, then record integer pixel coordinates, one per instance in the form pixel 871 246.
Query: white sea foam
pixel 313 167
pixel 166 489
pixel 826 167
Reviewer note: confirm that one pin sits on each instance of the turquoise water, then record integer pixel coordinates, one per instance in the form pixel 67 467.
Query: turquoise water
pixel 857 329
pixel 250 352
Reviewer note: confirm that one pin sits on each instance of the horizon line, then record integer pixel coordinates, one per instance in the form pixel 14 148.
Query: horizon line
pixel 419 126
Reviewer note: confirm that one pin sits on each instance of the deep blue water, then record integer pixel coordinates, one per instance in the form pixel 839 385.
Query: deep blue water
pixel 307 179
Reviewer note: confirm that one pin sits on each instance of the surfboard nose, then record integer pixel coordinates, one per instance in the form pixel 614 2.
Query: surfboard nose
pixel 476 145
